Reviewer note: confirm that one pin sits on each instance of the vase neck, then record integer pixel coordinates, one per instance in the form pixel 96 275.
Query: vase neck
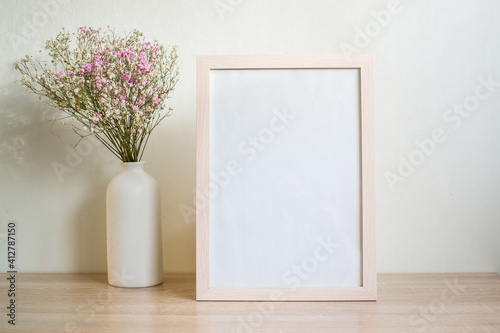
pixel 133 166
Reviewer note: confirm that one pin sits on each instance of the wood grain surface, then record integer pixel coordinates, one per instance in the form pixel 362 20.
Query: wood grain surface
pixel 406 303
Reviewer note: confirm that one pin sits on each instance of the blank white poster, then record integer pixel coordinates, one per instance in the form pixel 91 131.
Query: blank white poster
pixel 285 178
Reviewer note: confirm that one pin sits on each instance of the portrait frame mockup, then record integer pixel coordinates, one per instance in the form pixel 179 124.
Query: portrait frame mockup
pixel 285 189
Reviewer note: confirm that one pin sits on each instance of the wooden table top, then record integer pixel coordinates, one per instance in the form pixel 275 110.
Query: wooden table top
pixel 407 303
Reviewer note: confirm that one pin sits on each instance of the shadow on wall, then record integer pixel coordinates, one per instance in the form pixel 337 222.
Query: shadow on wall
pixel 20 123
pixel 89 232
pixel 39 164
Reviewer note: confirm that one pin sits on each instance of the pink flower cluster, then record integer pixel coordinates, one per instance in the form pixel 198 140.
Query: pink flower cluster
pixel 84 31
pixel 96 117
pixel 124 73
pixel 114 87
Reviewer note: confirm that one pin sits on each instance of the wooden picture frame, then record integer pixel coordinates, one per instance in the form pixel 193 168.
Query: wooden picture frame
pixel 265 198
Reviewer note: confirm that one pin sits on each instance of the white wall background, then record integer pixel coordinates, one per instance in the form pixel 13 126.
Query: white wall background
pixel 443 217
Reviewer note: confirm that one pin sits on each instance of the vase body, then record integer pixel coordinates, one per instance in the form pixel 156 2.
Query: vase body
pixel 133 219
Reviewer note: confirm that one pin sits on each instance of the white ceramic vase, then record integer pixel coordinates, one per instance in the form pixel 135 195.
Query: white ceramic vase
pixel 134 228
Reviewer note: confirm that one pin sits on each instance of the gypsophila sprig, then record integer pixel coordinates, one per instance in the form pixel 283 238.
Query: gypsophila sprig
pixel 112 87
